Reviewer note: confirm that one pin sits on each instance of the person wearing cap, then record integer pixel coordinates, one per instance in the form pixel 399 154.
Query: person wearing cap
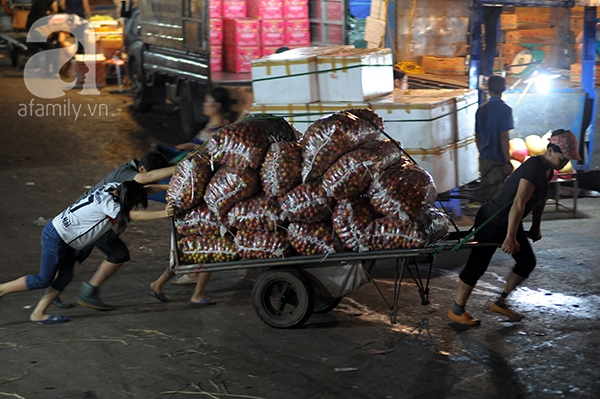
pixel 500 222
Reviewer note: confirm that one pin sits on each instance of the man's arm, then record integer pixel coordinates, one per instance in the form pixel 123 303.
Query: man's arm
pixel 151 215
pixel 504 143
pixel 154 175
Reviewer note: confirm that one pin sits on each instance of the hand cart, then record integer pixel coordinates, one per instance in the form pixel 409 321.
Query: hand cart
pixel 291 289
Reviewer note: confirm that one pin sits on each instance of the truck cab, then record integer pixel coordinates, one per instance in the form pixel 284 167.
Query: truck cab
pixel 168 49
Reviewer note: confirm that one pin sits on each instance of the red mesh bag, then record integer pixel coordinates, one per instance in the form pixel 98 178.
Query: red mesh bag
pixel 255 244
pixel 256 213
pixel 229 186
pixel 188 183
pixel 207 249
pixel 351 218
pixel 282 168
pixel 314 239
pixel 307 203
pixel 392 233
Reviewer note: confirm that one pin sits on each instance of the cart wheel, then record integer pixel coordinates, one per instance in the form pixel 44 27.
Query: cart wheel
pixel 326 304
pixel 283 298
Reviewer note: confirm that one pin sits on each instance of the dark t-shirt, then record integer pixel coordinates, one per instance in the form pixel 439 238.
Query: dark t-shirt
pixel 123 173
pixel 39 9
pixel 532 170
pixel 491 119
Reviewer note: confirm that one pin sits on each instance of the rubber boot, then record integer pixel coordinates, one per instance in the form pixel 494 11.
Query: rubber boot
pixel 88 296
pixel 58 302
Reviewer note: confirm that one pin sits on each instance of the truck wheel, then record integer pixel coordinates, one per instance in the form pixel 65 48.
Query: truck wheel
pixel 189 125
pixel 326 304
pixel 138 89
pixel 283 298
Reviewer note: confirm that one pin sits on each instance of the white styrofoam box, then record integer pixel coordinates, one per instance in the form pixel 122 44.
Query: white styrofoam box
pixel 467 104
pixel 439 162
pixel 355 74
pixel 289 77
pixel 320 110
pixel 418 121
pixel 467 161
pixel 296 114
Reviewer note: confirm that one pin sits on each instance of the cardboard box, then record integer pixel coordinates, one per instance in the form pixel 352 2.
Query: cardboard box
pixel 355 75
pixel 265 9
pixel 234 9
pixel 216 31
pixel 242 32
pixel 378 10
pixel 272 32
pixel 374 30
pixel 524 21
pixel 295 9
pixel 289 77
pixel 444 65
pixel 576 73
pixel 297 32
pixel 215 9
pixel 238 59
pixel 540 35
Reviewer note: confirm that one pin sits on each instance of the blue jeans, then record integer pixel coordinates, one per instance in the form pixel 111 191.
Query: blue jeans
pixel 56 266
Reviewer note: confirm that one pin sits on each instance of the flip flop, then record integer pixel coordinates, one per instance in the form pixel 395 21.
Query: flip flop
pixel 54 319
pixel 161 297
pixel 204 302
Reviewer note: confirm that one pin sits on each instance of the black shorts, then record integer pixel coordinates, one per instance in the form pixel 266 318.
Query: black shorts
pixel 110 244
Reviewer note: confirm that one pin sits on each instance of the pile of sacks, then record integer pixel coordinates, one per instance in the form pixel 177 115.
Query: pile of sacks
pixel 261 189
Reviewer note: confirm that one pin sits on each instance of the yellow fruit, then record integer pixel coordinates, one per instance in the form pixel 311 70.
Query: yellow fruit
pixel 535 145
pixel 567 169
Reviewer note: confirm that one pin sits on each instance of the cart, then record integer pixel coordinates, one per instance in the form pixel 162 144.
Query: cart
pixel 291 289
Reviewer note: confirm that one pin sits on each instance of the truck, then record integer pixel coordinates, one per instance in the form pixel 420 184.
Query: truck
pixel 168 56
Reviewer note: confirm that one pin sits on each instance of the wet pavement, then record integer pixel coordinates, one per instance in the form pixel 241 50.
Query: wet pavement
pixel 148 349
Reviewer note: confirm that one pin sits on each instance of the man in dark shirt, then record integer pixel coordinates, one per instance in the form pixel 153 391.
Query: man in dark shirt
pixel 493 121
pixel 500 221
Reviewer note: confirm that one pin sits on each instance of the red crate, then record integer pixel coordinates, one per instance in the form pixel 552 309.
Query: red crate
pixel 215 8
pixel 297 32
pixel 234 9
pixel 335 11
pixel 216 31
pixel 272 32
pixel 238 59
pixel 265 9
pixel 242 32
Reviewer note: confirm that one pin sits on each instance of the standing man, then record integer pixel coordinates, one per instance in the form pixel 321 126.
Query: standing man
pixel 493 120
pixel 151 168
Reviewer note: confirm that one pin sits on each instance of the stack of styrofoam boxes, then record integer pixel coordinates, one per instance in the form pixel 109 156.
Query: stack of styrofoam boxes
pixel 376 24
pixel 467 154
pixel 285 84
pixel 216 35
pixel 272 24
pixel 297 24
pixel 427 123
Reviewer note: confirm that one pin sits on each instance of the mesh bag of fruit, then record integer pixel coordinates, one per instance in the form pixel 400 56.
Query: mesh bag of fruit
pixel 200 221
pixel 314 239
pixel 392 233
pixel 307 203
pixel 256 213
pixel 229 186
pixel 351 218
pixel 187 185
pixel 245 143
pixel 437 224
pixel 404 190
pixel 255 244
pixel 282 168
pixel 207 249
pixel 352 174
pixel 327 139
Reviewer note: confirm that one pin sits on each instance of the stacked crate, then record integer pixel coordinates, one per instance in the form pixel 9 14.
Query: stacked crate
pixel 216 35
pixel 376 23
pixel 526 25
